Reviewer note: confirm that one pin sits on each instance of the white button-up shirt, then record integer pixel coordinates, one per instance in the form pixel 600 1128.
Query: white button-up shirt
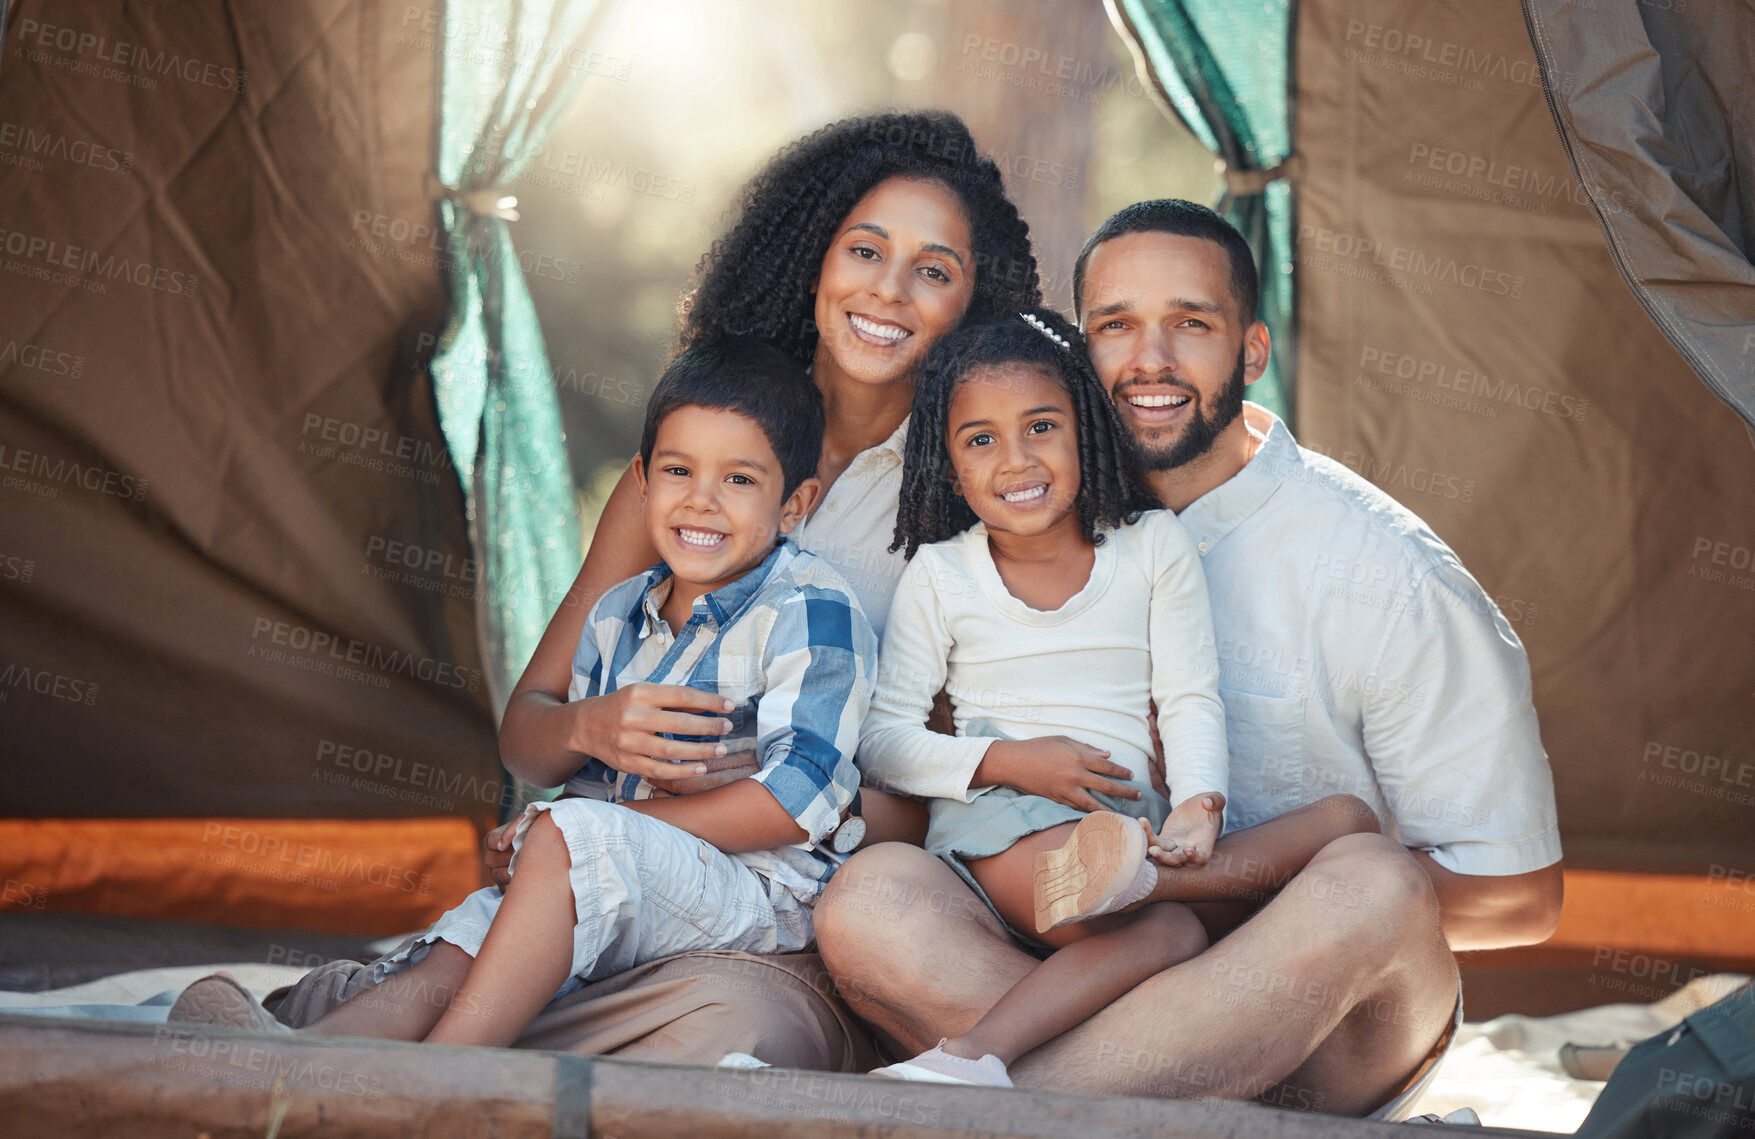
pixel 855 523
pixel 1357 655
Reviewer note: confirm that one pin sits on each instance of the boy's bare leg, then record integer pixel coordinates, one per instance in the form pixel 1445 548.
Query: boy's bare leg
pixel 528 952
pixel 402 1007
pixel 1330 997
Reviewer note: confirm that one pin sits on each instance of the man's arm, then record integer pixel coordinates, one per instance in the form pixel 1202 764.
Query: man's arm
pixel 738 818
pixel 1481 911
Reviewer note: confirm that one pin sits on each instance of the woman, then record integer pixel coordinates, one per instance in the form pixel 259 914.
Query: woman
pixel 854 250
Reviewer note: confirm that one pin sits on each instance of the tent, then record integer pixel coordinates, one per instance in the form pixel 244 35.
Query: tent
pixel 279 498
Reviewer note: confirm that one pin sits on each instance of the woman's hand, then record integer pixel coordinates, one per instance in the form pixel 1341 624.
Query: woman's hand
pixel 1054 767
pixel 720 771
pixel 496 853
pixel 622 729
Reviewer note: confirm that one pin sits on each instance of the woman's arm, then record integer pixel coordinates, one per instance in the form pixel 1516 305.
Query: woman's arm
pixel 543 738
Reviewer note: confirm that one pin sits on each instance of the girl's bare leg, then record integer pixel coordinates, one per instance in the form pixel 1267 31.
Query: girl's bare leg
pixel 528 953
pixel 1081 979
pixel 404 1007
pixel 1252 864
pixel 1094 963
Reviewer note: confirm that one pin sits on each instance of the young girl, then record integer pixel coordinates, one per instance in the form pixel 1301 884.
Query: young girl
pixel 1053 607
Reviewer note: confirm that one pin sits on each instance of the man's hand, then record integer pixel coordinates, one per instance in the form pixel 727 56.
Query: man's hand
pixel 1189 833
pixel 496 853
pixel 1160 780
pixel 1054 767
pixel 622 729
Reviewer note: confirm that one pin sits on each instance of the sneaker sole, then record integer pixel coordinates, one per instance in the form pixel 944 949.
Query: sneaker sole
pixel 221 1002
pixel 1089 871
pixel 907 1071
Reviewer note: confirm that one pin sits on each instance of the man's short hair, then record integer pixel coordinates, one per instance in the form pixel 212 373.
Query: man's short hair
pixel 1182 219
pixel 754 380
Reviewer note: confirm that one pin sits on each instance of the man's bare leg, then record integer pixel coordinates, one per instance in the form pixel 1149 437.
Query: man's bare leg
pixel 1328 999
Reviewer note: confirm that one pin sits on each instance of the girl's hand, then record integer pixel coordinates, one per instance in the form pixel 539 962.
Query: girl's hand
pixel 1055 767
pixel 1189 833
pixel 621 729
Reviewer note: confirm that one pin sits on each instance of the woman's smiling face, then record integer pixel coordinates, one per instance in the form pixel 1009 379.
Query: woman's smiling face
pixel 898 275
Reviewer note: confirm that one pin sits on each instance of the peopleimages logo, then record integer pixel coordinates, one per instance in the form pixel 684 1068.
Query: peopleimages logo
pixel 1414 263
pixel 36 39
pixel 51 256
pixel 1470 382
pixel 328 654
pixel 31 146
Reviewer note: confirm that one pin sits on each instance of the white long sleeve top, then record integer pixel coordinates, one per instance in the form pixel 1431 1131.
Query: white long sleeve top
pixel 1085 670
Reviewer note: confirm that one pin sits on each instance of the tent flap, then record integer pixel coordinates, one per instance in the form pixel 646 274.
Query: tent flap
pixel 1647 98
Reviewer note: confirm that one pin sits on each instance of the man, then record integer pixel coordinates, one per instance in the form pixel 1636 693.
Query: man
pixel 1356 655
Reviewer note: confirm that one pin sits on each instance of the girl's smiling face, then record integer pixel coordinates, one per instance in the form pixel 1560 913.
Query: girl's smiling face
pixel 899 274
pixel 1013 443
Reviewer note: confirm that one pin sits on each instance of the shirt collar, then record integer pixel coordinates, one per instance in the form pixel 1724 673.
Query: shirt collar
pixel 895 447
pixel 1219 511
pixel 723 603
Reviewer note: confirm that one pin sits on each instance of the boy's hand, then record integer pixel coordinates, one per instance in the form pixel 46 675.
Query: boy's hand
pixel 622 729
pixel 1189 833
pixel 1055 767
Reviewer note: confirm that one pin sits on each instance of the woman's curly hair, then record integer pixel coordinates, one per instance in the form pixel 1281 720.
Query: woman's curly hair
pixel 756 280
pixel 1110 493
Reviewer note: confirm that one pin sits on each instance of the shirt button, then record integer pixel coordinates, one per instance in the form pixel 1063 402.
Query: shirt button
pixel 1203 547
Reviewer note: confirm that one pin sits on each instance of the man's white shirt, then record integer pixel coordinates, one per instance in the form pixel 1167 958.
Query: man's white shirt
pixel 1357 655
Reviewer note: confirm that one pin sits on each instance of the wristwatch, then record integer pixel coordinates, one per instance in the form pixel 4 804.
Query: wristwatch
pixel 847 837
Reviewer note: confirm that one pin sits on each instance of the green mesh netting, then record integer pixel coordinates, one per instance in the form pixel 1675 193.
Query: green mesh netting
pixel 1222 66
pixel 507 70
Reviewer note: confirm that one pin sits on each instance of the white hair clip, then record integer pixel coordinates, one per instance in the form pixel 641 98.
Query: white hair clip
pixel 1041 326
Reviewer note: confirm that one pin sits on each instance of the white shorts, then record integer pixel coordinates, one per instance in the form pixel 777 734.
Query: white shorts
pixel 642 890
pixel 1401 1105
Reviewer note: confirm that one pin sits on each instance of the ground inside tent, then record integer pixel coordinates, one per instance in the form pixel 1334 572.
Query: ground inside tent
pixel 1508 1068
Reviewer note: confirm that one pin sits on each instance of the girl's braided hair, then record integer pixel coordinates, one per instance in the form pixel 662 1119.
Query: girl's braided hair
pixel 756 280
pixel 1110 493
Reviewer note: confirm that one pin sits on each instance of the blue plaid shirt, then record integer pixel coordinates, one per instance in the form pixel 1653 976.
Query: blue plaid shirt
pixel 789 645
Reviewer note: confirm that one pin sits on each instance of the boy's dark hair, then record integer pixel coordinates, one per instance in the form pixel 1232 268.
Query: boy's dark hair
pixel 754 380
pixel 757 279
pixel 1182 219
pixel 1109 491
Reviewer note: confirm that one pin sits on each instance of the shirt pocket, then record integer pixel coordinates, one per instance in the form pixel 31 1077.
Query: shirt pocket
pixel 1266 740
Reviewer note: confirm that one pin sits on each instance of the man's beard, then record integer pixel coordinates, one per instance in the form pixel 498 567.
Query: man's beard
pixel 1202 430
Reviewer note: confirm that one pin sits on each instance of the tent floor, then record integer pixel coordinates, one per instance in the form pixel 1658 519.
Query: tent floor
pixel 53 951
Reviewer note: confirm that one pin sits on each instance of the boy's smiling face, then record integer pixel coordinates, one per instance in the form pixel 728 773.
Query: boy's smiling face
pixel 714 496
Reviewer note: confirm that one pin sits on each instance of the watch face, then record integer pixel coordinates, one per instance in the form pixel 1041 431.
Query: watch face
pixel 848 836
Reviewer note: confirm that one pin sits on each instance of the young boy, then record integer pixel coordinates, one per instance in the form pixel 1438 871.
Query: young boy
pixel 602 884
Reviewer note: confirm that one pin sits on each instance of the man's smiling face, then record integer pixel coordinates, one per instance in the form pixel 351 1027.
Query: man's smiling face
pixel 1168 341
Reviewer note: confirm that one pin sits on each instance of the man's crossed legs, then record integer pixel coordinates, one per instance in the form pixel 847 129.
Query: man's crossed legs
pixel 1328 999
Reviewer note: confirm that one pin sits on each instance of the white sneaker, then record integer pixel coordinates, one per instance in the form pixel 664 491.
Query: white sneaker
pixel 936 1066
